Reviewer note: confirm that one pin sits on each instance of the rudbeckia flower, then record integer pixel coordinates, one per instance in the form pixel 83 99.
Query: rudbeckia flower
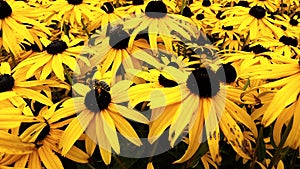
pixel 288 75
pixel 46 136
pixel 284 45
pixel 137 7
pixel 14 88
pixel 13 15
pixel 57 54
pixel 201 103
pixel 106 15
pixel 207 6
pixel 113 50
pixel 157 23
pixel 101 115
pixel 270 5
pixel 254 20
pixel 291 25
pixel 73 12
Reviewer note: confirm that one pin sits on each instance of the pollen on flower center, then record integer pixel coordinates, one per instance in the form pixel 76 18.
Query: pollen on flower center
pixel 137 2
pixel 203 82
pixel 118 38
pixel 97 100
pixel 5 9
pixel 6 82
pixel 257 12
pixel 56 47
pixel 74 2
pixel 288 41
pixel 156 9
pixel 107 7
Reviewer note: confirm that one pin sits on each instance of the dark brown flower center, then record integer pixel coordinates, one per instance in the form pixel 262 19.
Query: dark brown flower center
pixel 294 22
pixel 227 28
pixel 6 82
pixel 288 41
pixel 97 100
pixel 74 2
pixel 137 2
pixel 200 16
pixel 187 12
pixel 5 9
pixel 257 12
pixel 203 82
pixel 108 7
pixel 166 82
pixel 118 38
pixel 56 47
pixel 156 9
pixel 226 73
pixel 219 15
pixel 206 3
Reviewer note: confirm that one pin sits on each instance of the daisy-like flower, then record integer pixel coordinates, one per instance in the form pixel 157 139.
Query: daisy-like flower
pixel 137 7
pixel 291 25
pixel 73 12
pixel 206 6
pixel 270 5
pixel 157 23
pixel 112 50
pixel 288 75
pixel 254 20
pixel 284 45
pixel 101 115
pixel 15 88
pixel 13 15
pixel 201 103
pixel 106 15
pixel 57 54
pixel 46 136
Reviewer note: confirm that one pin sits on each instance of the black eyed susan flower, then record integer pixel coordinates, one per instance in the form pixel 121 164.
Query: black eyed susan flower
pixel 207 6
pixel 46 136
pixel 197 103
pixel 254 20
pixel 73 12
pixel 101 116
pixel 113 50
pixel 13 15
pixel 136 7
pixel 287 75
pixel 156 22
pixel 284 45
pixel 270 5
pixel 105 16
pixel 15 88
pixel 56 54
pixel 291 24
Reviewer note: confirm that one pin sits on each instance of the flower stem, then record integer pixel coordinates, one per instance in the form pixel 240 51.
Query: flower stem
pixel 259 139
pixel 68 74
pixel 183 4
pixel 277 156
pixel 85 29
pixel 13 59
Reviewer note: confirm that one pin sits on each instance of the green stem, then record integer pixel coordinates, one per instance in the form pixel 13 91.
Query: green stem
pixel 277 156
pixel 85 29
pixel 245 42
pixel 183 4
pixel 68 75
pixel 259 139
pixel 281 7
pixel 13 59
pixel 247 84
pixel 90 166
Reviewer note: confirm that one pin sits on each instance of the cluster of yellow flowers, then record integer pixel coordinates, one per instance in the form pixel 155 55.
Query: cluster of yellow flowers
pixel 214 83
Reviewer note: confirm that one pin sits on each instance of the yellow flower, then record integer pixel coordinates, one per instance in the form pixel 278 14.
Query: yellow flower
pixel 73 12
pixel 13 15
pixel 100 116
pixel 155 21
pixel 15 88
pixel 57 54
pixel 199 104
pixel 46 136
